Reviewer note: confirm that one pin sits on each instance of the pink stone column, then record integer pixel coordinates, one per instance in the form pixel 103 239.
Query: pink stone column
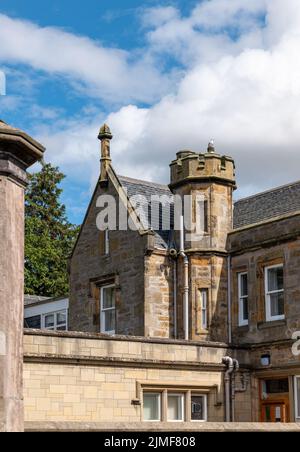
pixel 18 151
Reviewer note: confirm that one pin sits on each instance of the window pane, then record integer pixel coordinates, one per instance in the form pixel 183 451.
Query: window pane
pixel 245 309
pixel 49 321
pixel 33 322
pixel 175 408
pixel 61 318
pixel 275 279
pixel 108 297
pixel 204 304
pixel 276 386
pixel 244 285
pixel 277 304
pixel 203 213
pixel 109 320
pixel 151 407
pixel 198 408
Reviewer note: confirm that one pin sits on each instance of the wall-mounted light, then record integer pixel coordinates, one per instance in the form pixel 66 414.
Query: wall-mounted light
pixel 265 360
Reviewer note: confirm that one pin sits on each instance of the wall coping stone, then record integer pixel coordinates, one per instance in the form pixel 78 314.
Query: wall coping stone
pixel 118 338
pixel 160 427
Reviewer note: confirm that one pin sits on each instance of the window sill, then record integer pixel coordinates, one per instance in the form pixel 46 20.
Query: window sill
pixel 243 328
pixel 271 324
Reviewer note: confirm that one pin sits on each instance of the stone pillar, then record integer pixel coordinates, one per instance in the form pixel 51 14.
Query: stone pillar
pixel 17 152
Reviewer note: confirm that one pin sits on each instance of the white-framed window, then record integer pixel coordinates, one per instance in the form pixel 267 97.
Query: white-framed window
pixel 108 309
pixel 106 242
pixel 198 408
pixel 172 406
pixel 55 321
pixel 175 407
pixel 274 293
pixel 203 300
pixel 243 299
pixel 297 398
pixel 152 406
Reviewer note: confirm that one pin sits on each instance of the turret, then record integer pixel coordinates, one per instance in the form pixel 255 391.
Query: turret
pixel 208 179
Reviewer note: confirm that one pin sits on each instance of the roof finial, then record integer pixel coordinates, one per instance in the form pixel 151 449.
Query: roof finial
pixel 211 147
pixel 105 136
pixel 105 133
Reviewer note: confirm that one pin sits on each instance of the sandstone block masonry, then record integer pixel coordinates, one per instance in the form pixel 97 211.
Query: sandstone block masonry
pixel 72 377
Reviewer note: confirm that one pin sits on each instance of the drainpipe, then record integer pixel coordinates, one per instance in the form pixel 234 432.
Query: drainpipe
pixel 236 367
pixel 186 281
pixel 230 368
pixel 175 298
pixel 229 299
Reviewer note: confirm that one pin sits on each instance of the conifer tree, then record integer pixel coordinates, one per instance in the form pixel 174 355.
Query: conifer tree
pixel 49 237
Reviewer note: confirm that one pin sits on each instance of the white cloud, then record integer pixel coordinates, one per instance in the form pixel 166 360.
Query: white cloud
pixel 244 93
pixel 248 100
pixel 158 16
pixel 108 73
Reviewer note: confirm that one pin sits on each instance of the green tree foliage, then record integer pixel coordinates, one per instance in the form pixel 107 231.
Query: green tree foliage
pixel 49 237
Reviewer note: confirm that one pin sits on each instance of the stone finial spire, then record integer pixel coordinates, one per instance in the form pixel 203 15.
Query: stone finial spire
pixel 105 136
pixel 211 147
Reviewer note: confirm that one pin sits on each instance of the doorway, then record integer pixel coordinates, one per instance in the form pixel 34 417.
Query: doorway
pixel 275 402
pixel 275 412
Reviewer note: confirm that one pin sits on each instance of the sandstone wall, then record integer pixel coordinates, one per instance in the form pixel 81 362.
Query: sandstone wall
pixel 159 295
pixel 254 249
pixel 88 378
pixel 90 268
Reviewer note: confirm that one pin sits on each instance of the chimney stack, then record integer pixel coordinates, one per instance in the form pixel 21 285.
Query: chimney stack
pixel 105 137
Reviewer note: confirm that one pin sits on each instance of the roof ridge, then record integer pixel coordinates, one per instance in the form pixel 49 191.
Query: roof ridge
pixel 144 182
pixel 270 190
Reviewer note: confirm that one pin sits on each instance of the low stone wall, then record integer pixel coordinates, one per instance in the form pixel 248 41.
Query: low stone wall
pixel 218 427
pixel 79 377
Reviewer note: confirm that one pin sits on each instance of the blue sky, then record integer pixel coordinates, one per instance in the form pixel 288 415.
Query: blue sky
pixel 165 75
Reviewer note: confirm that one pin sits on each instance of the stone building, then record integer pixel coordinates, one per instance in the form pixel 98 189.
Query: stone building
pixel 166 324
pixel 235 285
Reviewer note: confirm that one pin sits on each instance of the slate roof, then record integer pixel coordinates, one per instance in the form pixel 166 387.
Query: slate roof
pixel 34 299
pixel 142 191
pixel 267 205
pixel 252 210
